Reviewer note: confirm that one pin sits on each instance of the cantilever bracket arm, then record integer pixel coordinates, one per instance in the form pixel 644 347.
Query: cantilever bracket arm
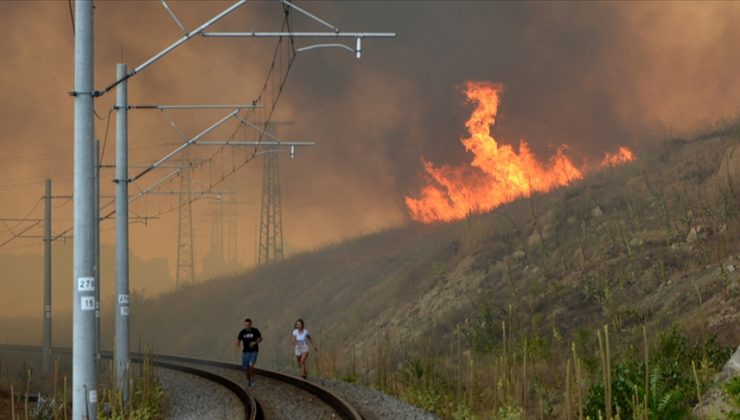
pixel 186 144
pixel 358 36
pixel 197 31
pixel 196 106
pixel 260 129
pixel 255 143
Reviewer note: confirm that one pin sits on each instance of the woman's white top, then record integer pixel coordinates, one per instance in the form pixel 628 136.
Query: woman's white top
pixel 301 341
pixel 300 336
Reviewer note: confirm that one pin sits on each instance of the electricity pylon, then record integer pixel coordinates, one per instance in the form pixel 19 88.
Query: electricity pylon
pixel 212 263
pixel 217 230
pixel 222 257
pixel 271 221
pixel 231 234
pixel 185 251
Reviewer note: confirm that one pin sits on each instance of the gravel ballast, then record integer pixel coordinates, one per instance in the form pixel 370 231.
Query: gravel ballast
pixel 286 402
pixel 372 404
pixel 279 400
pixel 195 398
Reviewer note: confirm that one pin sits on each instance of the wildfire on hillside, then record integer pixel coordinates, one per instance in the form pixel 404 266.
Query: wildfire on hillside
pixel 498 174
pixel 613 159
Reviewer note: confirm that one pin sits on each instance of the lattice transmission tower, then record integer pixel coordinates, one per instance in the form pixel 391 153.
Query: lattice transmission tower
pixel 222 256
pixel 271 221
pixel 232 250
pixel 185 248
pixel 217 230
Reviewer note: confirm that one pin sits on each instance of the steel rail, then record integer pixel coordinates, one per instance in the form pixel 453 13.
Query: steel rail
pixel 252 410
pixel 339 404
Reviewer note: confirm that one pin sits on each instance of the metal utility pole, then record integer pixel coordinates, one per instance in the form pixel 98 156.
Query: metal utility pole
pixel 84 386
pixel 96 211
pixel 271 221
pixel 46 340
pixel 121 355
pixel 185 251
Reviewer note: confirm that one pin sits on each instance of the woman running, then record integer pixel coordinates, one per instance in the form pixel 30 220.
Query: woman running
pixel 301 339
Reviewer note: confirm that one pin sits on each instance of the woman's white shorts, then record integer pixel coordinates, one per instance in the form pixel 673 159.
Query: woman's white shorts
pixel 301 348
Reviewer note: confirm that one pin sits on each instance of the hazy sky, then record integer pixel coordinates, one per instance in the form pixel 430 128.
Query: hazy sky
pixel 590 75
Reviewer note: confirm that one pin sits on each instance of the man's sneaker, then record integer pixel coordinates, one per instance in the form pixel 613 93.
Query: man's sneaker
pixel 251 383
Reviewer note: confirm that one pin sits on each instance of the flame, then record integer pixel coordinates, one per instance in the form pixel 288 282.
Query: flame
pixel 623 155
pixel 498 173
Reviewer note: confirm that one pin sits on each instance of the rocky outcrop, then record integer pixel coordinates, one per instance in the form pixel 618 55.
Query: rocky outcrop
pixel 716 404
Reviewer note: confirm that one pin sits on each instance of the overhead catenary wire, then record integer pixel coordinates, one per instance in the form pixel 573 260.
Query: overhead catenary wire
pixel 64 203
pixel 25 246
pixel 269 82
pixel 105 137
pixel 26 182
pixel 18 235
pixel 273 86
pixel 276 78
pixel 71 16
pixel 36 157
pixel 25 218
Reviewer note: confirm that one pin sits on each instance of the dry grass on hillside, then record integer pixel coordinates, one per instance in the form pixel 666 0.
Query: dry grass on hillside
pixel 482 317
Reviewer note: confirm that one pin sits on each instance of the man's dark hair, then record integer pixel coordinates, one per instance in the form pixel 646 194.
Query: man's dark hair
pixel 248 320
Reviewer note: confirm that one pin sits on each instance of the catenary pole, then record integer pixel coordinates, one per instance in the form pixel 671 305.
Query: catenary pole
pixel 96 215
pixel 46 340
pixel 122 254
pixel 84 387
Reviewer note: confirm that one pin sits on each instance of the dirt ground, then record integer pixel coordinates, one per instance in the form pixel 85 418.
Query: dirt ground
pixel 6 411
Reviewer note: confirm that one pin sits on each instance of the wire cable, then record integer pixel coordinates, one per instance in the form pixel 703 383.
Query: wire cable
pixel 105 137
pixel 276 79
pixel 36 204
pixel 17 235
pixel 68 199
pixel 71 16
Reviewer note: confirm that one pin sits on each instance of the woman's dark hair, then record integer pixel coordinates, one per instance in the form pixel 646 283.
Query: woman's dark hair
pixel 301 321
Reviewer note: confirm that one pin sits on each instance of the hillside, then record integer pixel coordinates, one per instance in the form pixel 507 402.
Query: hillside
pixel 420 310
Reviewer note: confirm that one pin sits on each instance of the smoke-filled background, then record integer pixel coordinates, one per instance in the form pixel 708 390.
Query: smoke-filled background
pixel 592 76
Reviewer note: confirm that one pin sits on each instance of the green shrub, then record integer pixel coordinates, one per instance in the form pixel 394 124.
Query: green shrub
pixel 671 388
pixel 732 389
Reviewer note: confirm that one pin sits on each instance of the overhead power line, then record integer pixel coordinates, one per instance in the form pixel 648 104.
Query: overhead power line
pixel 23 219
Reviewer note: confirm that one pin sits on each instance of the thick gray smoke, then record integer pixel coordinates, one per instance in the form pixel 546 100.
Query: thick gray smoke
pixel 590 75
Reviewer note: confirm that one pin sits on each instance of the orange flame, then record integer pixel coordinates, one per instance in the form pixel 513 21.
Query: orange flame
pixel 498 173
pixel 623 155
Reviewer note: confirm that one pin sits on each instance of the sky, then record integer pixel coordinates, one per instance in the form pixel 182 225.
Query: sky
pixel 592 76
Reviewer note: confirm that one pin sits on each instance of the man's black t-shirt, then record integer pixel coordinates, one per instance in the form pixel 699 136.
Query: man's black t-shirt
pixel 249 336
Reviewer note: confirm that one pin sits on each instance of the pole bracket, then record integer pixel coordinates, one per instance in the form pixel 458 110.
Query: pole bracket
pixel 94 93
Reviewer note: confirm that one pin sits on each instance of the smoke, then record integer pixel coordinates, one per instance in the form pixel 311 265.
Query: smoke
pixel 593 76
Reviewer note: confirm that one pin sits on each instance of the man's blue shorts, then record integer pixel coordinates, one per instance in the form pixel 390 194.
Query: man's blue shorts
pixel 249 358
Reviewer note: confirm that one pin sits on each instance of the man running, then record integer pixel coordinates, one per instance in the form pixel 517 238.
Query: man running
pixel 250 337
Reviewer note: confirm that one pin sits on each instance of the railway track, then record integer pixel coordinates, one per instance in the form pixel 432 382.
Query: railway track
pixel 217 372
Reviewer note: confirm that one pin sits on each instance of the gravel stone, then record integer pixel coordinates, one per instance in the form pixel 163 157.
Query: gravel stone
pixel 279 400
pixel 194 398
pixel 373 404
